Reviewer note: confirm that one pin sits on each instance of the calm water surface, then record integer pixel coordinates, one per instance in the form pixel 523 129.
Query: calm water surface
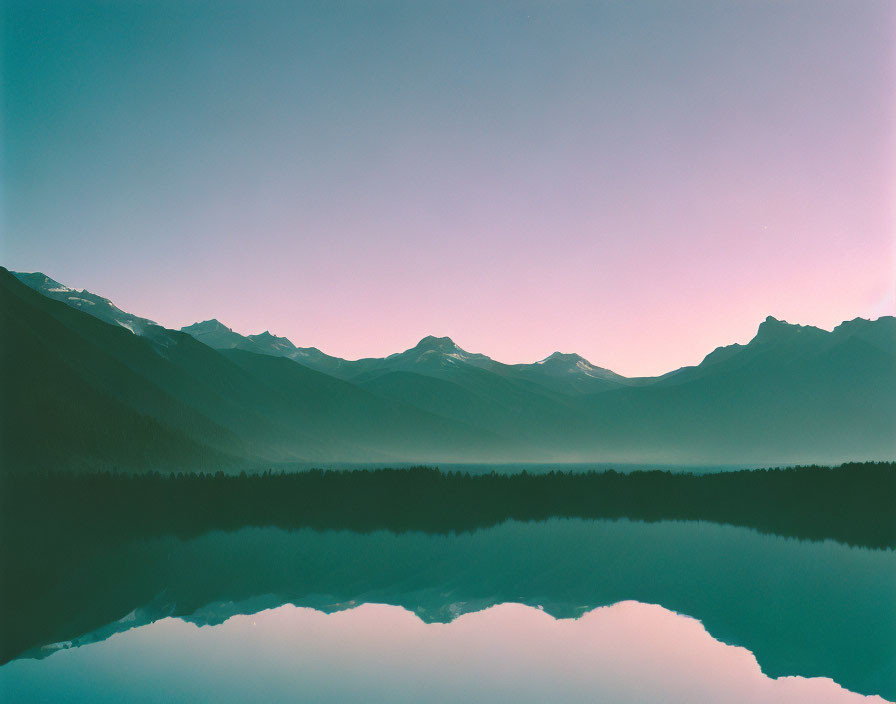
pixel 794 609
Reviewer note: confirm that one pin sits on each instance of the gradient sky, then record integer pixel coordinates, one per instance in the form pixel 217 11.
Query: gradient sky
pixel 637 182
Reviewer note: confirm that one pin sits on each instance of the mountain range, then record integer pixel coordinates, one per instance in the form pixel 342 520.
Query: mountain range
pixel 89 386
pixel 432 356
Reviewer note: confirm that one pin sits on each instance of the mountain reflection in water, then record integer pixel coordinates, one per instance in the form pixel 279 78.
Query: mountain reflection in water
pixel 814 609
pixel 629 652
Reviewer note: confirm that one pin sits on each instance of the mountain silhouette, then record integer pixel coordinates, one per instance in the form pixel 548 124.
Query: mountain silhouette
pixel 82 393
pixel 210 396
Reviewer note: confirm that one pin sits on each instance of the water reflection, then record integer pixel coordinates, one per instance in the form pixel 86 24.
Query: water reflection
pixel 629 652
pixel 804 608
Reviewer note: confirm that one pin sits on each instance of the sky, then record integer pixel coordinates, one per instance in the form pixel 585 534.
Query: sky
pixel 638 182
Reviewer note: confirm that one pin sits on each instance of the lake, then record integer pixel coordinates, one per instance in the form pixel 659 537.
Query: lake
pixel 563 609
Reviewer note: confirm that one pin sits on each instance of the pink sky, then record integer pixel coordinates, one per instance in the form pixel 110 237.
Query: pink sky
pixel 635 183
pixel 625 653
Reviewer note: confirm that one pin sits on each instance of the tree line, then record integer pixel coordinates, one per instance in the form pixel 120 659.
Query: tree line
pixel 853 503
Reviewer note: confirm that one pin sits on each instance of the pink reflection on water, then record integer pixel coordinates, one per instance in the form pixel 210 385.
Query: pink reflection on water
pixel 629 652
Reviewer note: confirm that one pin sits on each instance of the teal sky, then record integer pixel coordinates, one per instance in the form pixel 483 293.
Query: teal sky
pixel 634 181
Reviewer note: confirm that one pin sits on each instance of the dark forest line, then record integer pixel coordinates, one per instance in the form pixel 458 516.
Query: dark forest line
pixel 853 503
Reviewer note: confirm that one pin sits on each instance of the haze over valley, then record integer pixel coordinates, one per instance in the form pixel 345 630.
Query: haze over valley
pixel 120 392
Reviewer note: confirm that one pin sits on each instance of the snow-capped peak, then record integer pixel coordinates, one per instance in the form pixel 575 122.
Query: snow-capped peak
pixel 84 300
pixel 571 363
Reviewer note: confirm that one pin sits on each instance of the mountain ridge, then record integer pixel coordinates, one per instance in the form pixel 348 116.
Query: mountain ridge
pixel 216 334
pixel 792 394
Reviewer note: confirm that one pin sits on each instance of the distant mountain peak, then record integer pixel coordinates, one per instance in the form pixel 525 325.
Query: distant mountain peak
pixel 206 325
pixel 440 344
pixel 84 300
pixel 773 330
pixel 564 363
pixel 858 323
pixel 442 352
pixel 569 357
pixel 880 333
pixel 41 282
pixel 213 333
pixel 275 343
